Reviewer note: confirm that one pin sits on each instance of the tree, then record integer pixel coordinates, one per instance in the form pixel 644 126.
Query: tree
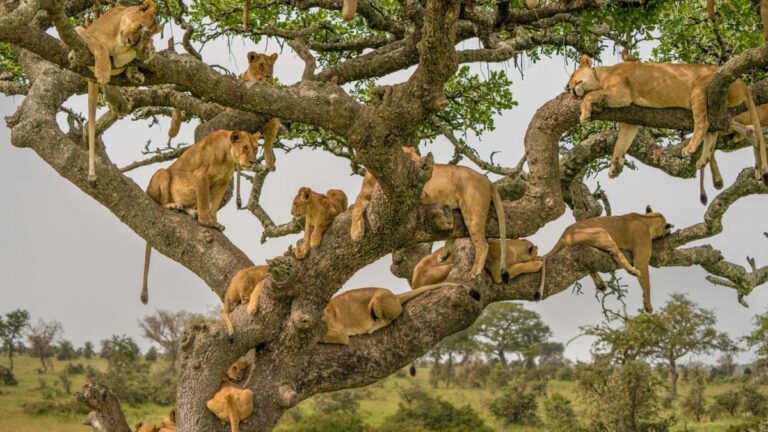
pixel 12 331
pixel 678 329
pixel 508 327
pixel 457 345
pixel 694 405
pixel 65 351
pixel 88 350
pixel 342 108
pixel 758 339
pixel 165 328
pixel 42 339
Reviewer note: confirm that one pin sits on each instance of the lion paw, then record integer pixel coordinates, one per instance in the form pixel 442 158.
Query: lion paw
pixel 211 224
pixel 688 150
pixel 615 169
pixel 174 206
pixel 134 75
pixel 634 271
pixel 357 231
pixel 585 117
pixel 300 252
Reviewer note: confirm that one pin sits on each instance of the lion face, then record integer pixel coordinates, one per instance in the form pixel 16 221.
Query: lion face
pixel 301 202
pixel 244 148
pixel 659 227
pixel 530 252
pixel 137 18
pixel 237 370
pixel 584 79
pixel 260 66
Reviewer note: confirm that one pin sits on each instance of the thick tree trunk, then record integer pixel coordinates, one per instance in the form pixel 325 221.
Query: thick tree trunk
pixel 107 417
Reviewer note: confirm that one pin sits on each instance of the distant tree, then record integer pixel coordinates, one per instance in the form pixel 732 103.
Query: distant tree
pixel 758 339
pixel 88 350
pixel 65 351
pixel 549 352
pixel 621 398
pixel 12 331
pixel 517 402
pixel 507 327
pixel 121 352
pixel 165 328
pixel 752 400
pixel 42 339
pixel 678 329
pixel 151 355
pixel 694 405
pixel 449 350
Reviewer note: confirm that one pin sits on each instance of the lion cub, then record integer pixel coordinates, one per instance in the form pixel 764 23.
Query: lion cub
pixel 240 290
pixel 632 232
pixel 318 211
pixel 117 36
pixel 168 425
pixel 658 85
pixel 232 403
pixel 365 310
pixel 521 259
pixel 457 187
pixel 197 181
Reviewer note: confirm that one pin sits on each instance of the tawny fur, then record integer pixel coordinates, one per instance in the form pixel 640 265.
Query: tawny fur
pixel 348 9
pixel 115 40
pixel 454 186
pixel 365 310
pixel 168 425
pixel 197 181
pixel 232 403
pixel 657 85
pixel 318 211
pixel 240 290
pixel 521 259
pixel 632 232
pixel 173 130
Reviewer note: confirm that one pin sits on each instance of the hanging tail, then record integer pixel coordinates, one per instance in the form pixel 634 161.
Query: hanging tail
pixel 234 415
pixel 762 159
pixel 501 216
pixel 93 93
pixel 144 289
pixel 558 246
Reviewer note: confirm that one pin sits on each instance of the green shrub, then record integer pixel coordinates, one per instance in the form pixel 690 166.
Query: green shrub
pixel 335 422
pixel 7 377
pixel 69 408
pixel 420 412
pixel 517 403
pixel 560 415
pixel 725 404
pixel 75 369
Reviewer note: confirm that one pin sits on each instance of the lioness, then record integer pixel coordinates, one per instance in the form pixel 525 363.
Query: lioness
pixel 168 425
pixel 196 182
pixel 633 232
pixel 456 187
pixel 318 211
pixel 116 36
pixel 240 290
pixel 232 403
pixel 656 85
pixel 365 310
pixel 521 259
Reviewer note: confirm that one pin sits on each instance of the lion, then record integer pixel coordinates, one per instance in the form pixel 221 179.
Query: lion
pixel 168 425
pixel 115 39
pixel 521 258
pixel 318 211
pixel 239 292
pixel 365 310
pixel 196 182
pixel 633 232
pixel 456 187
pixel 657 85
pixel 232 403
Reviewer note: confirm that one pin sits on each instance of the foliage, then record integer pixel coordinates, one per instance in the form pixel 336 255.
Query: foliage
pixel 419 412
pixel 517 402
pixel 65 351
pixel 165 328
pixel 694 404
pixel 340 401
pixel 88 350
pixel 621 398
pixel 42 338
pixel 151 355
pixel 330 422
pixel 560 415
pixel 6 377
pixel 725 404
pixel 752 401
pixel 507 327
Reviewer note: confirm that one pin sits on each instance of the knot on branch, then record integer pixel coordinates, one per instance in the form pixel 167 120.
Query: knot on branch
pixel 302 320
pixel 283 270
pixel 287 396
pixel 381 95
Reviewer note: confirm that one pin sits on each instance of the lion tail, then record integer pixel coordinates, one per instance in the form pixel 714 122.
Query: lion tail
pixel 558 247
pixel 702 191
pixel 234 414
pixel 144 288
pixel 501 216
pixel 762 159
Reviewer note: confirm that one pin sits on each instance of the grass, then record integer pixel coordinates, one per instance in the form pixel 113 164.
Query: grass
pixel 382 401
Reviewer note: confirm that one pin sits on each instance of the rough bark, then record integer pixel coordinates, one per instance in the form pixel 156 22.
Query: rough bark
pixel 107 415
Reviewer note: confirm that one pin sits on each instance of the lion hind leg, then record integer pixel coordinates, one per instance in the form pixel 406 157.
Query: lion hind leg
pixel 700 120
pixel 600 239
pixel 762 159
pixel 627 133
pixel 600 284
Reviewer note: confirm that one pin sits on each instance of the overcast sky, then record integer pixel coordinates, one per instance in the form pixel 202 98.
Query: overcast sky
pixel 63 256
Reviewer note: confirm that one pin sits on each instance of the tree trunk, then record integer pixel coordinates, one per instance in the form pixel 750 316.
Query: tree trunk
pixel 107 417
pixel 672 378
pixel 10 355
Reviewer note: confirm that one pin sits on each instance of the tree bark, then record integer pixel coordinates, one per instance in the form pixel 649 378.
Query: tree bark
pixel 107 415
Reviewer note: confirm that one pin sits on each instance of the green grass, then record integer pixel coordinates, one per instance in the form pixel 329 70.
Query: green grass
pixel 383 401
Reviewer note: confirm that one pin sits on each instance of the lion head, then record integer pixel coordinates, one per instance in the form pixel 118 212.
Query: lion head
pixel 236 372
pixel 301 202
pixel 584 79
pixel 244 148
pixel 659 226
pixel 135 20
pixel 260 67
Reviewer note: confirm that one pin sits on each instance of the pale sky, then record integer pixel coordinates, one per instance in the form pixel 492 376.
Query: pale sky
pixel 63 256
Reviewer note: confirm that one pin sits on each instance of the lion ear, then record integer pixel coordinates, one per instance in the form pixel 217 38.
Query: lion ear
pixel 272 58
pixel 139 425
pixel 235 136
pixel 252 56
pixel 648 209
pixel 669 226
pixel 585 61
pixel 148 6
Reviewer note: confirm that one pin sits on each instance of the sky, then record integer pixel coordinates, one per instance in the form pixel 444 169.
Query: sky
pixel 65 257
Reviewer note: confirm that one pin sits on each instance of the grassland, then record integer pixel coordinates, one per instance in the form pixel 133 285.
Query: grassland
pixel 382 401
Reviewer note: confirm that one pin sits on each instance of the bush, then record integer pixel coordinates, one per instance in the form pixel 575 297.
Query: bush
pixel 752 401
pixel 498 377
pixel 337 402
pixel 560 414
pixel 517 403
pixel 725 404
pixel 694 405
pixel 336 422
pixel 472 375
pixel 7 377
pixel 65 351
pixel 70 408
pixel 75 369
pixel 420 412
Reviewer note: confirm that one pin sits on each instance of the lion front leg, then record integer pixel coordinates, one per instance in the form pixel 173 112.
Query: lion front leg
pixel 627 133
pixel 303 248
